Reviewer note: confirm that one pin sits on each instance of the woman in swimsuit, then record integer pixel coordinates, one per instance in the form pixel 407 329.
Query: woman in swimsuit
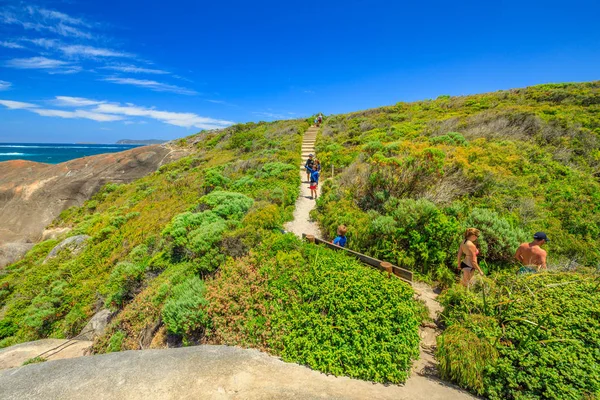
pixel 469 264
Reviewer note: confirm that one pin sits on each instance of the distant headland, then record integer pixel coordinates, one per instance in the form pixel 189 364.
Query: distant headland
pixel 146 141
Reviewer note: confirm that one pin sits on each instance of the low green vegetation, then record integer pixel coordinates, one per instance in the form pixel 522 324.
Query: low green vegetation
pixel 319 308
pixel 524 337
pixel 411 177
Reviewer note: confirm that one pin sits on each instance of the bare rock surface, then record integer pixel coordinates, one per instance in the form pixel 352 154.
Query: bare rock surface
pixel 33 194
pixel 50 349
pixel 11 252
pixel 74 244
pixel 201 372
pixel 96 325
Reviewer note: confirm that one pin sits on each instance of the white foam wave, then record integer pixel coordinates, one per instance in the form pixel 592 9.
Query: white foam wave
pixel 15 154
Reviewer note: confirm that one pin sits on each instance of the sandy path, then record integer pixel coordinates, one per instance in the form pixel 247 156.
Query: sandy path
pixel 302 222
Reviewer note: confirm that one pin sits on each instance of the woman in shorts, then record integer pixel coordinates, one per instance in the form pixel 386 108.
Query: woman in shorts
pixel 469 263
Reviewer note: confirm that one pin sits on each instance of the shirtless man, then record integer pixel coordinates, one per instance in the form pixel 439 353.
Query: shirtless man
pixel 531 255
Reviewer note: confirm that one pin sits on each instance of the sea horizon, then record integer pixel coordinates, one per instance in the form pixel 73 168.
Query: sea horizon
pixel 55 153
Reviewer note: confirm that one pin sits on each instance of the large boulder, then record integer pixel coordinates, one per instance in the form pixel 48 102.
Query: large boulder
pixel 74 244
pixel 96 326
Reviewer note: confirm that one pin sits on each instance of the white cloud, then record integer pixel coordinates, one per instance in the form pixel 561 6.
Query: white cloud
pixel 16 105
pixel 5 85
pixel 40 19
pixel 136 70
pixel 68 101
pixel 11 45
pixel 186 120
pixel 152 85
pixel 77 114
pixel 51 14
pixel 36 63
pixel 89 51
pixel 107 112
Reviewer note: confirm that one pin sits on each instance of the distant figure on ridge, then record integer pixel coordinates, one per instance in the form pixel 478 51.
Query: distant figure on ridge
pixel 310 163
pixel 469 264
pixel 319 120
pixel 340 239
pixel 531 255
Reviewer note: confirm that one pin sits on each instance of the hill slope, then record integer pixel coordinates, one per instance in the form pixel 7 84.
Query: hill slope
pixel 193 253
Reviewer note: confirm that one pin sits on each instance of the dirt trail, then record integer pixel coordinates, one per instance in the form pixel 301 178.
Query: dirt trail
pixel 302 222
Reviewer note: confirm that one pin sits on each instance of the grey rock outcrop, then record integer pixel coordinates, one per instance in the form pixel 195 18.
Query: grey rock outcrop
pixel 11 252
pixel 201 372
pixel 96 326
pixel 74 244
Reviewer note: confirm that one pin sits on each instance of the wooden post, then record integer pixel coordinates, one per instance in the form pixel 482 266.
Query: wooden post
pixel 310 238
pixel 331 171
pixel 386 266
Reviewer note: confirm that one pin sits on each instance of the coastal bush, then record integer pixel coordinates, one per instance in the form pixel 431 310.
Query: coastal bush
pixel 498 241
pixel 229 205
pixel 184 311
pixel 319 308
pixel 533 336
pixel 123 280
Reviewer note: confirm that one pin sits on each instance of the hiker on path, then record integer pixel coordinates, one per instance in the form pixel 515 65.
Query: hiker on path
pixel 469 263
pixel 319 120
pixel 531 255
pixel 341 239
pixel 309 165
pixel 317 165
pixel 314 183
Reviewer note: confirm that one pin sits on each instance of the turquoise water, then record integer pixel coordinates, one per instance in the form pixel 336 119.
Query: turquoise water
pixel 56 153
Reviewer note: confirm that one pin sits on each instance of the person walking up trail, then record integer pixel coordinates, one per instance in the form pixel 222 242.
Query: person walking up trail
pixel 310 163
pixel 531 255
pixel 469 264
pixel 314 182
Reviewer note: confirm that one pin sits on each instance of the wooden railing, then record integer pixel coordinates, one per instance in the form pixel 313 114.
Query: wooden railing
pixel 391 269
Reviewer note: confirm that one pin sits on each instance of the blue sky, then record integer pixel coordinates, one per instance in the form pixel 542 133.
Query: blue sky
pixel 91 71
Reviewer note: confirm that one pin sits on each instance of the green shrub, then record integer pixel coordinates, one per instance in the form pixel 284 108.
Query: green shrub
pixel 124 279
pixel 451 138
pixel 319 308
pixel 499 240
pixel 184 311
pixel 543 328
pixel 463 357
pixel 275 169
pixel 229 205
pixel 116 342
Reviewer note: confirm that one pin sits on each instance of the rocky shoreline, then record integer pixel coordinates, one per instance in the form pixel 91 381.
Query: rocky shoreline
pixel 33 194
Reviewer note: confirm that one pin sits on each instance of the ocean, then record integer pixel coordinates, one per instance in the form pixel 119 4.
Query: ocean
pixel 56 153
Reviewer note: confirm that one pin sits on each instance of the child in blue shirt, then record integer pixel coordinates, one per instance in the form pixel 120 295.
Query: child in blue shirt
pixel 314 182
pixel 341 240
